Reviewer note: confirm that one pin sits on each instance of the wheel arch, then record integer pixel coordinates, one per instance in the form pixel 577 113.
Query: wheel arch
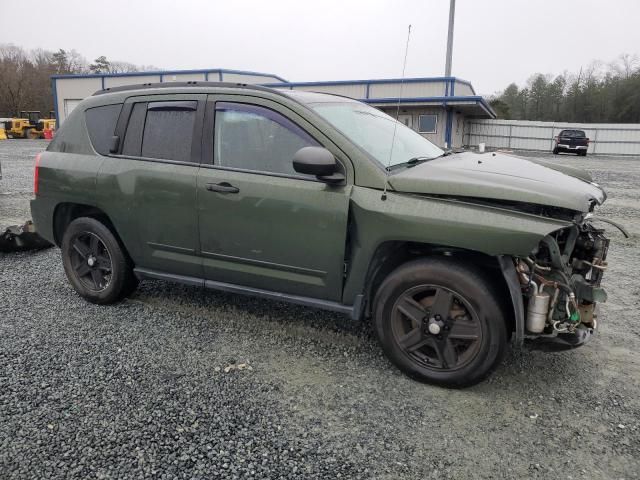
pixel 389 255
pixel 67 212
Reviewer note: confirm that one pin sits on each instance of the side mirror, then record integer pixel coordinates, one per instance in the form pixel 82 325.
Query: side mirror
pixel 114 144
pixel 317 161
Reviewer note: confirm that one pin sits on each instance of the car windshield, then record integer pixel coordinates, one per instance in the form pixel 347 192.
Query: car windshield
pixel 372 130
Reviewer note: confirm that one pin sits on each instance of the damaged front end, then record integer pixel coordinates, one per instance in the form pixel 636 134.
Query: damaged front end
pixel 560 283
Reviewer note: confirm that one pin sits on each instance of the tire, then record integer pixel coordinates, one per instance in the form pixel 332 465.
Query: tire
pixel 555 151
pixel 582 154
pixel 28 133
pixel 107 276
pixel 467 344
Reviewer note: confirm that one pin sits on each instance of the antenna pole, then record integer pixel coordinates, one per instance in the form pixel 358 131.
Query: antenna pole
pixel 452 14
pixel 395 125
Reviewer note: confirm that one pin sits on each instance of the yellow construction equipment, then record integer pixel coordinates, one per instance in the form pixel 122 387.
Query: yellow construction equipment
pixel 29 125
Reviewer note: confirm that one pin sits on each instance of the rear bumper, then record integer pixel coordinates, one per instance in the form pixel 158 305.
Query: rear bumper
pixel 42 215
pixel 561 341
pixel 562 146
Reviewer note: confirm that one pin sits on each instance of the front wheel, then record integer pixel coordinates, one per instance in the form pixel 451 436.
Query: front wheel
pixel 439 322
pixel 95 263
pixel 555 151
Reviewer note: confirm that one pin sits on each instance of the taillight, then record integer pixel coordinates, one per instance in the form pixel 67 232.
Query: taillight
pixel 36 172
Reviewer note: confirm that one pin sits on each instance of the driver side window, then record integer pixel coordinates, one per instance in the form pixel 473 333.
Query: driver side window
pixel 256 138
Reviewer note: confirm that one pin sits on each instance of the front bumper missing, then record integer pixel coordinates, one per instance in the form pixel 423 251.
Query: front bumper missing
pixel 560 341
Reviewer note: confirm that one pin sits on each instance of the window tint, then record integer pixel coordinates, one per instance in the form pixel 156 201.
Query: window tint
pixel 256 138
pixel 572 133
pixel 168 130
pixel 133 137
pixel 428 123
pixel 101 124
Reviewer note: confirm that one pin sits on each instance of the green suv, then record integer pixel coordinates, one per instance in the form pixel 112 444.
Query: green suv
pixel 324 201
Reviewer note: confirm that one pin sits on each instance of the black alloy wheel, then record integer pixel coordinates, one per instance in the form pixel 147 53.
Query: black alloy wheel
pixel 436 328
pixel 91 261
pixel 95 262
pixel 441 321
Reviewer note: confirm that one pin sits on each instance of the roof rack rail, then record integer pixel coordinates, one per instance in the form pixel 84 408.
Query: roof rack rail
pixel 192 83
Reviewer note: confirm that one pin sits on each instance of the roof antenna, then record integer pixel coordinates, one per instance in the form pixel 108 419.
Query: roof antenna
pixel 395 125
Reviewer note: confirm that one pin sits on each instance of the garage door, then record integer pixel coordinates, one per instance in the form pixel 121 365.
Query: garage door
pixel 70 104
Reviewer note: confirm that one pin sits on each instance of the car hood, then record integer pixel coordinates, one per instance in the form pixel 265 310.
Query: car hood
pixel 501 177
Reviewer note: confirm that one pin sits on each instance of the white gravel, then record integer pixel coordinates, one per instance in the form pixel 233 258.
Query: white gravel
pixel 139 389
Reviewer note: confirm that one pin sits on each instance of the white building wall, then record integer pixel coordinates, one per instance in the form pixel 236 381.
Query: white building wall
pixel 110 82
pixel 357 91
pixel 462 89
pixel 409 90
pixel 250 79
pixel 70 91
pixel 188 77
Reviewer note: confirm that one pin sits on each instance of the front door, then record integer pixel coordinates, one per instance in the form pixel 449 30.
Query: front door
pixel 263 225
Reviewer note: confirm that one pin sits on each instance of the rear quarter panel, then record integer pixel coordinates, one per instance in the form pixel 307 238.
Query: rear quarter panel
pixel 67 173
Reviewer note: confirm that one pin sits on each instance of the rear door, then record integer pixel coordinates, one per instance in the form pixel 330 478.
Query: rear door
pixel 262 225
pixel 150 185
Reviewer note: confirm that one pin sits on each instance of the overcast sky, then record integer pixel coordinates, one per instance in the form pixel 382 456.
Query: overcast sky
pixel 496 41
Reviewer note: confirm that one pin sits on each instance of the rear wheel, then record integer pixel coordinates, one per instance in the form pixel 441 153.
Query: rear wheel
pixel 583 153
pixel 555 151
pixel 95 263
pixel 438 321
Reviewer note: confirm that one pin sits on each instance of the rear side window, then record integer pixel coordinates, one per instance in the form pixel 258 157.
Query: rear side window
pixel 162 130
pixel 101 124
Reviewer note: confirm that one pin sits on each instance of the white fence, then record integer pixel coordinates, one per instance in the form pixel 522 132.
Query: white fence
pixel 605 138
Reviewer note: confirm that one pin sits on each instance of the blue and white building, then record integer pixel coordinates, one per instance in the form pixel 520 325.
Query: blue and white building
pixel 436 107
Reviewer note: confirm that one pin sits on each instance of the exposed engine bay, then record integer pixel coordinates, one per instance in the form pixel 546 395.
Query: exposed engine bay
pixel 560 282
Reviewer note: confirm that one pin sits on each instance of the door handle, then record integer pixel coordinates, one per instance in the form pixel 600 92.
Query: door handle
pixel 222 187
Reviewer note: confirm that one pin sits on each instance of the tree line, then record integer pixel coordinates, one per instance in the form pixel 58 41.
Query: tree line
pixel 25 82
pixel 599 93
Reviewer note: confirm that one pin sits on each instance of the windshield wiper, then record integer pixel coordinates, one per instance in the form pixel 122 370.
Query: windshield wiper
pixel 412 162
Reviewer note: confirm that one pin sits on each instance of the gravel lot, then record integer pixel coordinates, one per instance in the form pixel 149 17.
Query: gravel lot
pixel 139 389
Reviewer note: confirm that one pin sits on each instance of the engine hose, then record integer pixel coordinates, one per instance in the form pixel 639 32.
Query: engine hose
pixel 611 222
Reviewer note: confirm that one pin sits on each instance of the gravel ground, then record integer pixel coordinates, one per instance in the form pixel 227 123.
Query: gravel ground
pixel 139 389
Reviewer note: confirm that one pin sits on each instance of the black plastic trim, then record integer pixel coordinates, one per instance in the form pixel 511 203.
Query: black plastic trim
pixel 155 160
pixel 511 277
pixel 353 311
pixel 180 105
pixel 261 263
pixel 258 172
pixel 148 86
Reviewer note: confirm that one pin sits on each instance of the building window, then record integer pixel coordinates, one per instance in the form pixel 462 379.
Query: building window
pixel 427 123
